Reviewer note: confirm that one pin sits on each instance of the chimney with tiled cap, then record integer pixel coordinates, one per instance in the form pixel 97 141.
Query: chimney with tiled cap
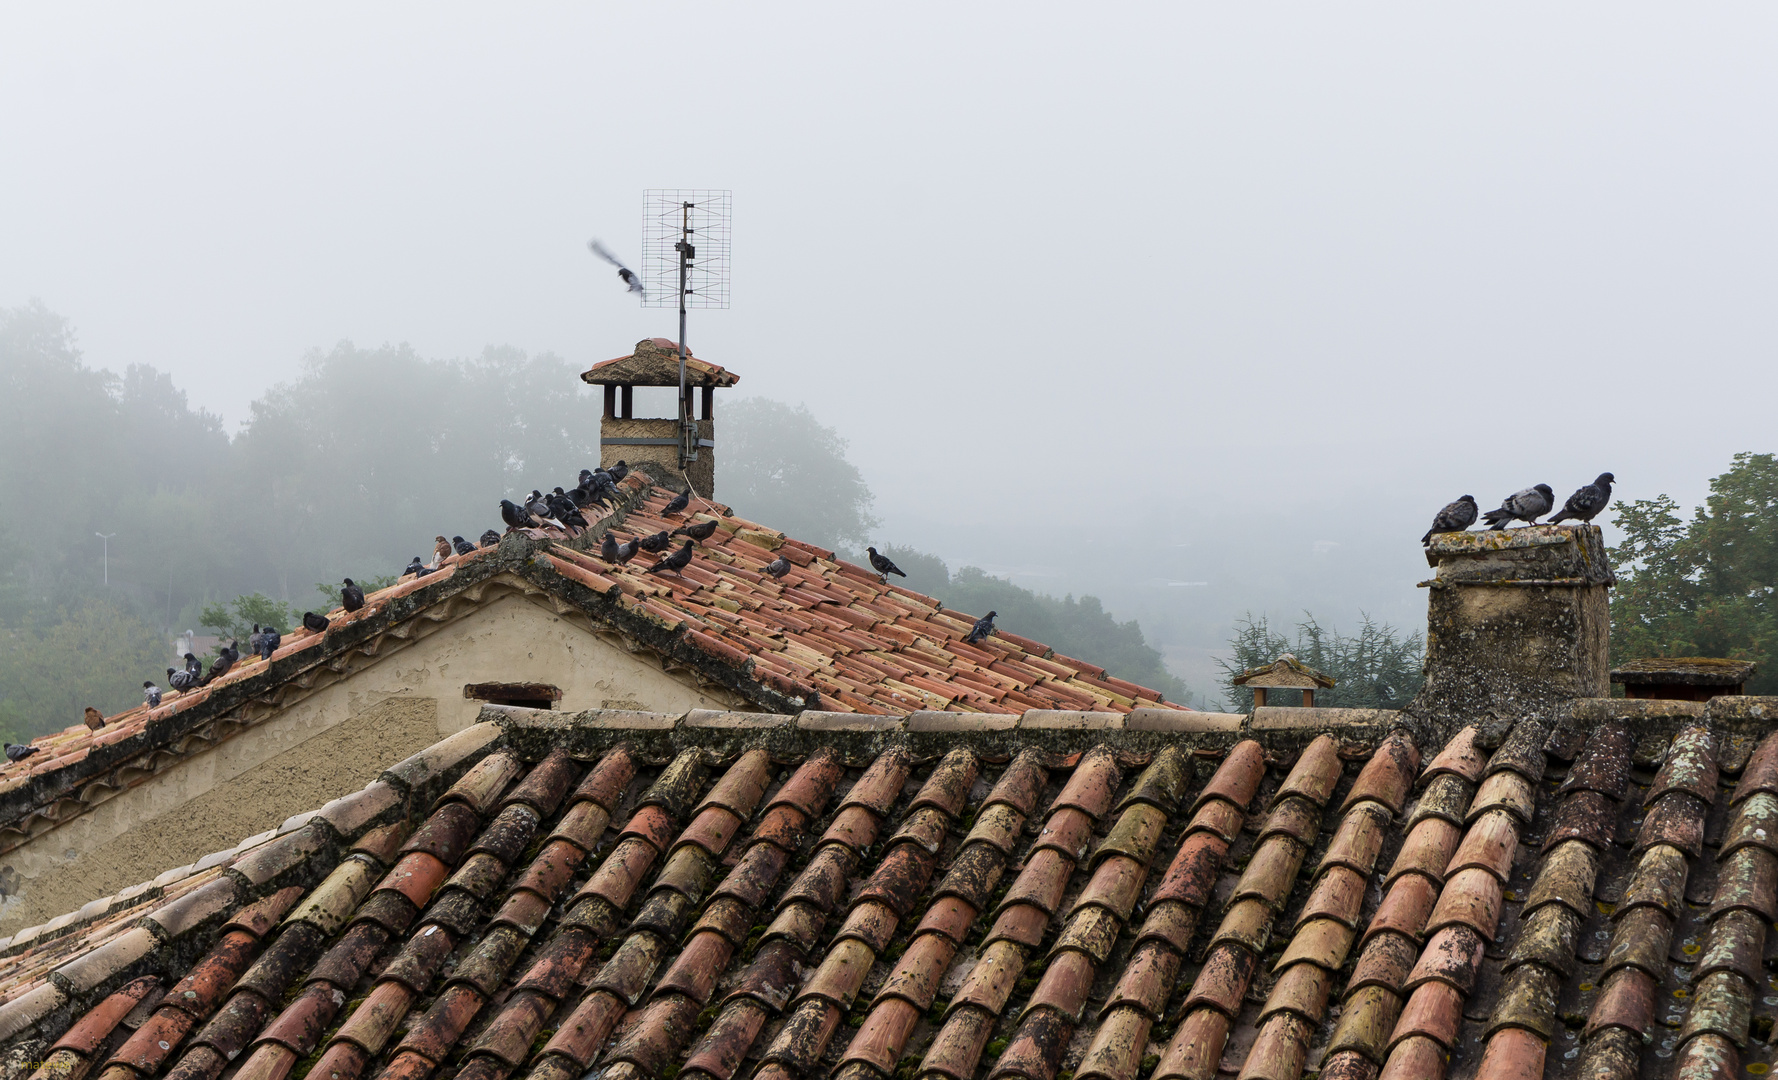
pixel 656 442
pixel 1517 623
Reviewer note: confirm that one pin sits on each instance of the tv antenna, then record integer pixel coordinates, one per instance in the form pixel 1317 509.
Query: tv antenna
pixel 685 249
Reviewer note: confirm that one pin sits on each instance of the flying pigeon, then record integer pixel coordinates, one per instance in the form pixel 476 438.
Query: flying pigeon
pixel 315 624
pixel 629 276
pixel 626 552
pixel 1526 506
pixel 778 567
pixel 675 562
pixel 515 516
pixel 608 548
pixel 351 596
pixel 20 751
pixel 256 640
pixel 882 565
pixel 181 680
pixel 1586 503
pixel 982 628
pixel 680 502
pixel 463 546
pixel 700 532
pixel 1455 517
pixel 94 720
pixel 657 542
pixel 441 550
pixel 269 640
pixel 490 539
pixel 151 694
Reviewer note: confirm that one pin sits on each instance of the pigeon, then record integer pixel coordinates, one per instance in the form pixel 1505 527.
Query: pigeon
pixel 416 568
pixel 778 567
pixel 1586 503
pixel 94 721
pixel 982 628
pixel 619 471
pixel 315 624
pixel 515 516
pixel 626 552
pixel 351 596
pixel 675 562
pixel 269 641
pixel 1455 517
pixel 608 548
pixel 882 565
pixel 700 532
pixel 192 665
pixel 20 751
pixel 152 693
pixel 1526 506
pixel 225 659
pixel 562 508
pixel 181 680
pixel 490 539
pixel 630 277
pixel 680 502
pixel 441 550
pixel 539 509
pixel 464 547
pixel 256 640
pixel 657 542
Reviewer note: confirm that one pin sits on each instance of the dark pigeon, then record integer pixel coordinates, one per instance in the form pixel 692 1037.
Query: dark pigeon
pixel 464 547
pixel 1585 504
pixel 778 567
pixel 539 509
pixel 982 628
pixel 619 471
pixel 254 640
pixel 516 516
pixel 20 751
pixel 152 693
pixel 490 539
pixel 882 565
pixel 225 659
pixel 416 568
pixel 181 680
pixel 269 641
pixel 193 665
pixel 1455 517
pixel 675 562
pixel 699 532
pixel 351 596
pixel 626 552
pixel 608 548
pixel 630 277
pixel 657 542
pixel 316 624
pixel 679 502
pixel 1526 506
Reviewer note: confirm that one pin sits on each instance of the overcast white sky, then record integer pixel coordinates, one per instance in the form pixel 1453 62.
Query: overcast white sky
pixel 1134 276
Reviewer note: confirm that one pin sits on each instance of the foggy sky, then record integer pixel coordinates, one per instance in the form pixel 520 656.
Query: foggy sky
pixel 1181 283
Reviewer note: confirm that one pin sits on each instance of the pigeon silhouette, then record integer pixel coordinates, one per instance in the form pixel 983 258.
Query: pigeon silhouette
pixel 464 547
pixel 700 532
pixel 490 539
pixel 1526 506
pixel 982 628
pixel 20 751
pixel 675 562
pixel 1455 517
pixel 152 693
pixel 778 567
pixel 1585 504
pixel 269 640
pixel 515 516
pixel 882 565
pixel 678 503
pixel 629 276
pixel 94 719
pixel 657 542
pixel 351 596
pixel 181 680
pixel 316 624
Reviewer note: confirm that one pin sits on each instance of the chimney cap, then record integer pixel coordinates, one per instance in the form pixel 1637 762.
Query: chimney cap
pixel 656 363
pixel 1684 671
pixel 1287 672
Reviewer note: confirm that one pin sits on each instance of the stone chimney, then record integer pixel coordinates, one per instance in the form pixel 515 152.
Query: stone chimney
pixel 1517 623
pixel 660 443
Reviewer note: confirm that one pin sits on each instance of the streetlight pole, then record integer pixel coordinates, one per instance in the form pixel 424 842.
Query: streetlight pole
pixel 107 538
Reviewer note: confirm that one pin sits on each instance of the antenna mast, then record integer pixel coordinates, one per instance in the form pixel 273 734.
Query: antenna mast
pixel 676 224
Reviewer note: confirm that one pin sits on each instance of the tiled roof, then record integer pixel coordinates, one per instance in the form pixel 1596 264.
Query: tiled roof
pixel 656 363
pixel 1516 901
pixel 828 628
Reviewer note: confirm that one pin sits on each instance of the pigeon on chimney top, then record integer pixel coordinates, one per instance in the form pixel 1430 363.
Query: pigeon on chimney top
pixel 1526 506
pixel 982 628
pixel 680 502
pixel 1455 517
pixel 882 565
pixel 1585 504
pixel 778 567
pixel 675 562
pixel 630 277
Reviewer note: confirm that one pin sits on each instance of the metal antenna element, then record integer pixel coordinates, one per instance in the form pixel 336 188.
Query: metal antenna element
pixel 685 250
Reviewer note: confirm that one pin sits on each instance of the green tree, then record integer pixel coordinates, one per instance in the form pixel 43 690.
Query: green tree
pixel 781 467
pixel 94 653
pixel 237 618
pixel 1703 587
pixel 1376 668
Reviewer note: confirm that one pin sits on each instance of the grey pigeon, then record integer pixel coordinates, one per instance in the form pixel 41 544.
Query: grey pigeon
pixel 778 567
pixel 269 640
pixel 181 680
pixel 982 628
pixel 416 568
pixel 20 751
pixel 700 532
pixel 680 502
pixel 225 659
pixel 464 547
pixel 630 277
pixel 619 471
pixel 490 539
pixel 515 515
pixel 608 548
pixel 882 565
pixel 255 640
pixel 657 542
pixel 1526 506
pixel 152 693
pixel 351 596
pixel 1586 503
pixel 192 665
pixel 1455 517
pixel 316 624
pixel 675 562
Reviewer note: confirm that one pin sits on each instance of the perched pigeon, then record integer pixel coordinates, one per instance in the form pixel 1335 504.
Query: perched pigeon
pixel 778 567
pixel 152 693
pixel 563 509
pixel 619 471
pixel 441 550
pixel 181 680
pixel 882 565
pixel 982 628
pixel 225 659
pixel 490 539
pixel 94 719
pixel 316 624
pixel 269 641
pixel 1526 506
pixel 351 596
pixel 416 568
pixel 675 562
pixel 20 751
pixel 680 502
pixel 629 276
pixel 1455 517
pixel 192 665
pixel 255 640
pixel 1586 503
pixel 626 552
pixel 464 547
pixel 515 516
pixel 657 542
pixel 700 532
pixel 538 508
pixel 608 548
